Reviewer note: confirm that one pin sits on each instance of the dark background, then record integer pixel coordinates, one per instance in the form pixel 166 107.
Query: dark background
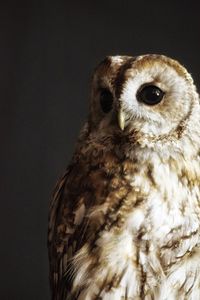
pixel 48 50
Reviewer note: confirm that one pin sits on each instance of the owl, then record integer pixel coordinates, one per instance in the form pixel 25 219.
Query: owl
pixel 124 222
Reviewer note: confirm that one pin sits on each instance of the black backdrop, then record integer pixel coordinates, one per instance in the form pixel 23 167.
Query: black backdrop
pixel 48 50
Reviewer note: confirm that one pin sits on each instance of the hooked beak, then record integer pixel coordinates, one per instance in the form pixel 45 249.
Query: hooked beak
pixel 121 119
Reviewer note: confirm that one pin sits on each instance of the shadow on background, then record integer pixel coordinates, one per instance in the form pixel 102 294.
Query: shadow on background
pixel 48 50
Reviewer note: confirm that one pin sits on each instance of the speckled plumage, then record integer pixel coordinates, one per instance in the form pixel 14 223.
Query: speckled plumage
pixel 124 219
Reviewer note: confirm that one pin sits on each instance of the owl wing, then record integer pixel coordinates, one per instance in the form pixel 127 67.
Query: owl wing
pixel 67 223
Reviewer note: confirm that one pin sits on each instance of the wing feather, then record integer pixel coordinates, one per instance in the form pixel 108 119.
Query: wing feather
pixel 65 235
pixel 78 211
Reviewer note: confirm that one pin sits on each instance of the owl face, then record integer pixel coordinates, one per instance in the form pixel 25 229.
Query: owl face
pixel 151 94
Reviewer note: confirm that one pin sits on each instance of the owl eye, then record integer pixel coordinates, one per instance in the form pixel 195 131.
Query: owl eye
pixel 150 95
pixel 106 100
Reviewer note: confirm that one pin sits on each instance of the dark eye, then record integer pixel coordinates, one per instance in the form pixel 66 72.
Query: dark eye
pixel 150 95
pixel 106 100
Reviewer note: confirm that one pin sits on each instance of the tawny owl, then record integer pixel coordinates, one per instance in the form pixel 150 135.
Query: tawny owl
pixel 124 222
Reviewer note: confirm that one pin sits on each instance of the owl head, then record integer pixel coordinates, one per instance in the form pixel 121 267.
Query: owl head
pixel 150 95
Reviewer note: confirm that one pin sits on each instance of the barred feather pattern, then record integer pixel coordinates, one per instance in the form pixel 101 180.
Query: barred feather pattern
pixel 124 219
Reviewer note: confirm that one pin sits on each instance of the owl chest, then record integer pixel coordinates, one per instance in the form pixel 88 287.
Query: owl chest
pixel 153 203
pixel 152 211
pixel 143 233
pixel 162 205
pixel 150 237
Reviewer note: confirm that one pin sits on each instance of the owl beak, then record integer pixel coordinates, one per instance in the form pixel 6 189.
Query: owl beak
pixel 121 119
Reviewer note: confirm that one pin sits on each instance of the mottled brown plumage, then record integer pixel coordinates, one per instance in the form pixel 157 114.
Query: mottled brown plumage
pixel 124 219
